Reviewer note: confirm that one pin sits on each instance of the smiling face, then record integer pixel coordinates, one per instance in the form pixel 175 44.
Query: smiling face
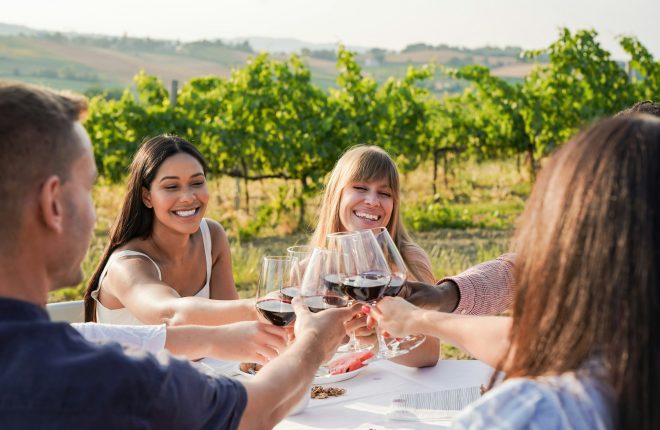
pixel 365 204
pixel 178 194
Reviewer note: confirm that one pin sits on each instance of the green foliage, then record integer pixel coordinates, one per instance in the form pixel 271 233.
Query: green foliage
pixel 580 83
pixel 269 120
pixel 499 215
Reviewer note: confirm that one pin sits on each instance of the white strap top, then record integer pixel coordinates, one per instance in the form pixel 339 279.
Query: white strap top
pixel 123 315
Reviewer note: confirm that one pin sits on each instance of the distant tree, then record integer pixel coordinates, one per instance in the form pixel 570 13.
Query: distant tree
pixel 378 54
pixel 322 54
pixel 244 46
pixel 417 47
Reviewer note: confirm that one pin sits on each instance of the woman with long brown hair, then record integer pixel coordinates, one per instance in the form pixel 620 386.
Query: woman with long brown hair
pixel 165 260
pixel 581 349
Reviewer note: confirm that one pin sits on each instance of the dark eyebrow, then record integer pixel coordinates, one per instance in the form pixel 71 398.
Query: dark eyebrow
pixel 164 178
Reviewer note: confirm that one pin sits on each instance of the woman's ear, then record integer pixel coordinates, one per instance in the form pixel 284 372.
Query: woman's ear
pixel 146 197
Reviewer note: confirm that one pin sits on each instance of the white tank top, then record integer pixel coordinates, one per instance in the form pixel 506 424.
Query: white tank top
pixel 123 315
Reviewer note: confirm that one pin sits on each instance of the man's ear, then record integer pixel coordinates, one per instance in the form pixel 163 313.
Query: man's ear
pixel 146 197
pixel 51 204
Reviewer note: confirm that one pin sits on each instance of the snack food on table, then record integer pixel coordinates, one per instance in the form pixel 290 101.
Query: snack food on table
pixel 319 392
pixel 349 362
pixel 251 368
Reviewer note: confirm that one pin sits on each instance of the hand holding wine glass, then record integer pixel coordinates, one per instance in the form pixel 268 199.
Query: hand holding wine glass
pixel 399 270
pixel 394 315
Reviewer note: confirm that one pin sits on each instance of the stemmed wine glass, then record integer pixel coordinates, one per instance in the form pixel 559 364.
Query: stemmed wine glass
pixel 343 244
pixel 277 274
pixel 363 270
pixel 399 271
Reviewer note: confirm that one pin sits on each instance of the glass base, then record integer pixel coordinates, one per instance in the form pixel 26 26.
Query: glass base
pixel 355 347
pixel 398 346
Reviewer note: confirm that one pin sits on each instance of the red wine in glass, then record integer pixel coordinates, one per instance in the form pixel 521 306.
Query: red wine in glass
pixel 395 286
pixel 320 303
pixel 333 284
pixel 288 293
pixel 366 287
pixel 276 311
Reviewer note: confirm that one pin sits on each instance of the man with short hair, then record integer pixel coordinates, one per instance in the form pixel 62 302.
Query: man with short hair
pixel 50 376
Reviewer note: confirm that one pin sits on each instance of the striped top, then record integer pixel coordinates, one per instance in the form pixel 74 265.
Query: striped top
pixel 571 400
pixel 487 288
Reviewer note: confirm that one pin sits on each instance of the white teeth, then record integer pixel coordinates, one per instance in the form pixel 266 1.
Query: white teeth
pixel 191 212
pixel 365 215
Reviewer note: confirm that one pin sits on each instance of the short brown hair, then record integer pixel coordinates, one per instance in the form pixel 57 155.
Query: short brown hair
pixel 37 140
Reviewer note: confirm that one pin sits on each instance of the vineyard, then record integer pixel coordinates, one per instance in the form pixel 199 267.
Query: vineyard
pixel 268 120
pixel 270 136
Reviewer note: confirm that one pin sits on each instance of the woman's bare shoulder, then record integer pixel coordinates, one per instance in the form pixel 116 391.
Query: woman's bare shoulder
pixel 132 266
pixel 219 240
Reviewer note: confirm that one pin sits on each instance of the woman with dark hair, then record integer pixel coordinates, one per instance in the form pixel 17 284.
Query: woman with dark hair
pixel 165 260
pixel 581 349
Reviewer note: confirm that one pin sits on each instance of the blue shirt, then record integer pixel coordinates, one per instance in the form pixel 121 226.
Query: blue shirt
pixel 51 378
pixel 567 401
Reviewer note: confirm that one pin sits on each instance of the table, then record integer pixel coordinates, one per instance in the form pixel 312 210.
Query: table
pixel 369 394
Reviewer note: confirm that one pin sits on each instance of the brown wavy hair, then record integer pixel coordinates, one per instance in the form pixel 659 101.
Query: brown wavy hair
pixel 135 219
pixel 588 266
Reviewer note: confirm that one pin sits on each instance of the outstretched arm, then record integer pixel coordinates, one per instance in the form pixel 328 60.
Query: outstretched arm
pixel 485 289
pixel 133 282
pixel 244 341
pixel 484 337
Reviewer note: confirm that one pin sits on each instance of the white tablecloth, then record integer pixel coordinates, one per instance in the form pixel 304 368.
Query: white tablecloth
pixel 369 394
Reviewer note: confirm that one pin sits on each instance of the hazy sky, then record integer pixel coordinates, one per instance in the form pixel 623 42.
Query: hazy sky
pixel 382 23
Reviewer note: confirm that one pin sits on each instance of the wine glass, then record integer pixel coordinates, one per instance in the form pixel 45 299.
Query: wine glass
pixel 320 288
pixel 399 271
pixel 343 244
pixel 277 274
pixel 363 270
pixel 302 254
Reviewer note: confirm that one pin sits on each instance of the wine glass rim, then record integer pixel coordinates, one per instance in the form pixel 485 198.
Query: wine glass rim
pixel 279 257
pixel 343 233
pixel 300 248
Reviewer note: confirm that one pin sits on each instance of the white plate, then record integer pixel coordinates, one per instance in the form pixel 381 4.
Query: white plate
pixel 320 378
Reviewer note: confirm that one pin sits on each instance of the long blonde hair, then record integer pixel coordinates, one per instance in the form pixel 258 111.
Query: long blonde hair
pixel 366 163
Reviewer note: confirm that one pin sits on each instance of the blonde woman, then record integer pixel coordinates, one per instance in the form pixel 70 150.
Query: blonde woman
pixel 362 192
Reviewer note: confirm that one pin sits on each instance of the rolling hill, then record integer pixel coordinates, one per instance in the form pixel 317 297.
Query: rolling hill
pixel 80 62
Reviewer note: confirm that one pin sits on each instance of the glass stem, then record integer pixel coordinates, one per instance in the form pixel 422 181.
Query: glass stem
pixel 382 346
